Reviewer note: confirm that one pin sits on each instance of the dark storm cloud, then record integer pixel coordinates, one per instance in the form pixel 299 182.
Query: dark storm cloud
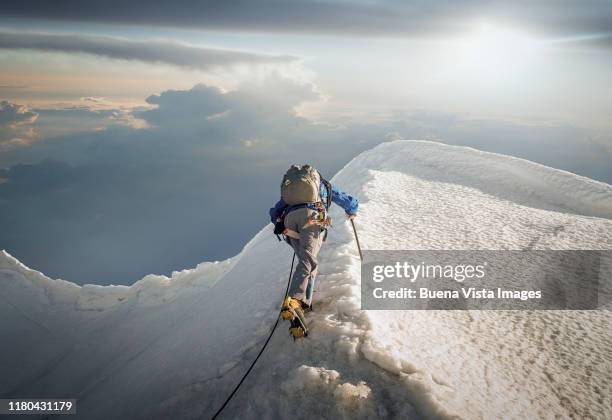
pixel 267 15
pixel 149 51
pixel 337 17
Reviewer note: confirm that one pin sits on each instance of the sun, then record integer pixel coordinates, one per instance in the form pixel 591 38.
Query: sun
pixel 494 52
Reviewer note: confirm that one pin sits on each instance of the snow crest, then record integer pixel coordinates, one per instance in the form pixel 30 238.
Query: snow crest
pixel 177 346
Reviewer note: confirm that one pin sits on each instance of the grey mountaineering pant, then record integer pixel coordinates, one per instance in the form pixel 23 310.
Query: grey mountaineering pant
pixel 306 249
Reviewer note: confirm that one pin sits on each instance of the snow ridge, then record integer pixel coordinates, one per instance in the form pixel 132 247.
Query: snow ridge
pixel 176 346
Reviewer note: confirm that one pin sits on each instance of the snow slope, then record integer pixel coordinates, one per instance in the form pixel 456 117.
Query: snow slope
pixel 176 346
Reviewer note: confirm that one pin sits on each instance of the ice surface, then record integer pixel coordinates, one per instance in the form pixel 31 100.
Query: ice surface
pixel 174 347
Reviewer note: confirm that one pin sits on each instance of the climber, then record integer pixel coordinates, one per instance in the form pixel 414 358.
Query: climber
pixel 301 216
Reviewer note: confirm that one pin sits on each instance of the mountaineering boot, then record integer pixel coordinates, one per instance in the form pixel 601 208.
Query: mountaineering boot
pixel 290 305
pixel 297 329
pixel 292 311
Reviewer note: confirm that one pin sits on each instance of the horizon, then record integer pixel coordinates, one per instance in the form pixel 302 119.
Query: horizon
pixel 147 137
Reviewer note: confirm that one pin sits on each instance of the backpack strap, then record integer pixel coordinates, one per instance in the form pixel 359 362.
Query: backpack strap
pixel 289 209
pixel 328 186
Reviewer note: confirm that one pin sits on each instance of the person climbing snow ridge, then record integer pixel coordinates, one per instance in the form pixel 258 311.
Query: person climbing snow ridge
pixel 301 216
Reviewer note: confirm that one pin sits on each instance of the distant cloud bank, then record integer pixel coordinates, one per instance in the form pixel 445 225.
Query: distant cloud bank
pixel 196 184
pixel 14 125
pixel 12 114
pixel 173 53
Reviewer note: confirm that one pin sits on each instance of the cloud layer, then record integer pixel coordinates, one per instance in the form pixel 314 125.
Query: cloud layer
pixel 109 206
pixel 391 17
pixel 15 125
pixel 148 51
pixel 194 186
pixel 14 114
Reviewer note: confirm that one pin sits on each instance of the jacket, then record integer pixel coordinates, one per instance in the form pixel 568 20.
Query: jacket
pixel 348 203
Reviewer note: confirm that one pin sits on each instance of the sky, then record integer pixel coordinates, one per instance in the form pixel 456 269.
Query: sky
pixel 140 137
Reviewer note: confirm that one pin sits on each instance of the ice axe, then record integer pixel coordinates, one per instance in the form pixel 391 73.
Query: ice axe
pixel 356 238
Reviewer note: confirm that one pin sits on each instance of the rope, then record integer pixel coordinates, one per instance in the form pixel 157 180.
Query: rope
pixel 229 398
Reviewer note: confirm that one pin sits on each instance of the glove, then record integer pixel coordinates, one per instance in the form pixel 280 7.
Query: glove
pixel 350 216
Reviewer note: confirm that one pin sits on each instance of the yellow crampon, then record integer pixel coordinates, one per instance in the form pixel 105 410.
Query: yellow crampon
pixel 288 304
pixel 296 332
pixel 292 311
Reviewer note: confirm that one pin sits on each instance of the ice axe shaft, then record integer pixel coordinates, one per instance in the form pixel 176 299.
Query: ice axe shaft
pixel 357 239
